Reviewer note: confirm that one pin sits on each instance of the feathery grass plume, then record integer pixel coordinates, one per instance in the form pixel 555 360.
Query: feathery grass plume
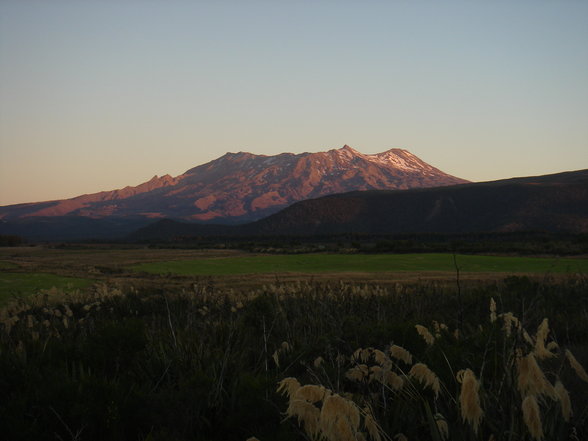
pixel 356 356
pixel 358 373
pixel 469 399
pixel 307 415
pixel 528 338
pixel 288 386
pixel 400 437
pixel 252 439
pixel 366 354
pixel 370 424
pixel 532 417
pixel 318 361
pixel 437 329
pixel 510 321
pixel 442 426
pixel 492 310
pixel 286 347
pixel 423 374
pixel 376 374
pixel 564 400
pixel 393 380
pixel 399 353
pixel 575 364
pixel 380 357
pixel 552 346
pixel 427 336
pixel 531 379
pixel 30 321
pixel 276 358
pixel 541 351
pixel 311 393
pixel 339 418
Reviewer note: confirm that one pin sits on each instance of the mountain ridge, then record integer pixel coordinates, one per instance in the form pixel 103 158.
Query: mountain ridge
pixel 552 203
pixel 244 187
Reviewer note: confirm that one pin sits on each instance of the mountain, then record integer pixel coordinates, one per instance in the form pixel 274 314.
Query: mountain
pixel 238 187
pixel 552 203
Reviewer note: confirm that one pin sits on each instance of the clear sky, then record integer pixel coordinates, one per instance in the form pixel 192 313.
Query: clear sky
pixel 97 95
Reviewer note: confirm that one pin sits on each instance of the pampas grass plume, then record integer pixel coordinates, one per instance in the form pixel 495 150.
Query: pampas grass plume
pixel 542 331
pixel 399 353
pixel 339 418
pixel 318 361
pixel 427 336
pixel 532 417
pixel 531 379
pixel 492 310
pixel 576 366
pixel 423 374
pixel 469 399
pixel 371 426
pixel 288 386
pixel 564 399
pixel 442 426
pixel 310 393
pixel 307 414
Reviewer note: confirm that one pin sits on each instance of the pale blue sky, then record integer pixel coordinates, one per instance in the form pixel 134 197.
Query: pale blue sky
pixel 96 95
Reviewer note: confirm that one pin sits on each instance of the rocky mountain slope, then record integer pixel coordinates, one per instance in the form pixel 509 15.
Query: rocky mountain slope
pixel 242 187
pixel 550 203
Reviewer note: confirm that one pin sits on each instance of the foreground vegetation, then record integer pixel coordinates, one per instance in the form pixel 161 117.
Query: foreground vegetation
pixel 350 362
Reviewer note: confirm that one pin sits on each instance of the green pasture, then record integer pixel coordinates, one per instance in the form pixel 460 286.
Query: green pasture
pixel 7 265
pixel 24 284
pixel 337 263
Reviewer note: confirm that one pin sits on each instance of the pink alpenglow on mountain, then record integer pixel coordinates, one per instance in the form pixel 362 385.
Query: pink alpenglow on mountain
pixel 244 187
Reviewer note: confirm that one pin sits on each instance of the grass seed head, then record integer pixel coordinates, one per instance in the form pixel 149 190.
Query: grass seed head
pixel 564 400
pixel 371 426
pixel 442 426
pixel 532 417
pixel 358 373
pixel 423 374
pixel 531 379
pixel 399 353
pixel 393 380
pixel 541 351
pixel 307 415
pixel 469 398
pixel 288 386
pixel 311 393
pixel 510 322
pixel 575 364
pixel 339 418
pixel 492 310
pixel 380 357
pixel 318 361
pixel 427 336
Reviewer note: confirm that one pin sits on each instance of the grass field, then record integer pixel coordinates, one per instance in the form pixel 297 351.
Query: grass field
pixel 24 284
pixel 320 263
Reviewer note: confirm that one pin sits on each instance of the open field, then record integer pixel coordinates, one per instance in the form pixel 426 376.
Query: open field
pixel 164 268
pixel 13 285
pixel 345 263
